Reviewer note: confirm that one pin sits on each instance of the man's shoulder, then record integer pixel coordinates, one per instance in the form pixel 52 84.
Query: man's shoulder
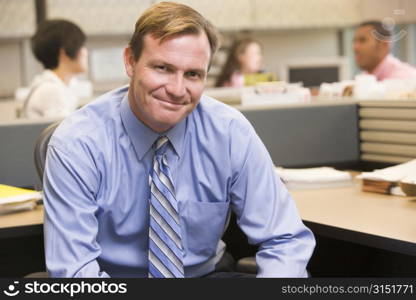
pixel 398 65
pixel 401 70
pixel 406 69
pixel 92 122
pixel 219 114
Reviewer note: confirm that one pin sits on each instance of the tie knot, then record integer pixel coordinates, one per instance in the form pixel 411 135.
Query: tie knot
pixel 160 145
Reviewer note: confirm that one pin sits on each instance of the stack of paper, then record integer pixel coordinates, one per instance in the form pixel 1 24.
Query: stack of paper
pixel 14 198
pixel 314 178
pixel 387 180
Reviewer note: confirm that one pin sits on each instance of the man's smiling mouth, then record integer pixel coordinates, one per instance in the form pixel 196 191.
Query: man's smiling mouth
pixel 170 102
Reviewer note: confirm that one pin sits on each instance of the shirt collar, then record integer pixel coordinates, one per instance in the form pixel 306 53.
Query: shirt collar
pixel 384 67
pixel 144 137
pixel 176 136
pixel 50 75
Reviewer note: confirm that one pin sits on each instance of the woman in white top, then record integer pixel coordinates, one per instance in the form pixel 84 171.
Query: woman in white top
pixel 60 46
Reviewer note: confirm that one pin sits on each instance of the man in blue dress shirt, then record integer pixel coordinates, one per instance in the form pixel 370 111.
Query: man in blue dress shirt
pixel 101 165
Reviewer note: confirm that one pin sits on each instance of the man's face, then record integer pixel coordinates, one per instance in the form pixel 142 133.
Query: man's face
pixel 168 78
pixel 367 49
pixel 81 60
pixel 78 64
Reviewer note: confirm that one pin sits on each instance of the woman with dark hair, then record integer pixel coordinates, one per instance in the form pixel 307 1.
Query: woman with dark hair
pixel 244 57
pixel 59 45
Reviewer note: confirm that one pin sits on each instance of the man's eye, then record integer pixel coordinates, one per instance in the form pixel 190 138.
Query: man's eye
pixel 192 74
pixel 161 68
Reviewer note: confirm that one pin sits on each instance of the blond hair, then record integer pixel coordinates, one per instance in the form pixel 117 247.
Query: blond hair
pixel 168 19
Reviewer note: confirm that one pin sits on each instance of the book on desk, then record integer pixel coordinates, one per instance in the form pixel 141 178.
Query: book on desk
pixel 397 180
pixel 15 199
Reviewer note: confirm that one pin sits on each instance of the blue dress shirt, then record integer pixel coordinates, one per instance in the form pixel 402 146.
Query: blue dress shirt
pixel 97 193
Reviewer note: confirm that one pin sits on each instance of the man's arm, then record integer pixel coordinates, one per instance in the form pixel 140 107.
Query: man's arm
pixel 266 212
pixel 70 227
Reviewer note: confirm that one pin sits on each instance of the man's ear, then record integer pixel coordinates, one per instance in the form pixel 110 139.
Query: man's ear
pixel 387 45
pixel 129 61
pixel 383 47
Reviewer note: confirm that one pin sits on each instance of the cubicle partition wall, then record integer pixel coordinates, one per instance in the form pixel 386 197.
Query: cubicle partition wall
pixel 296 136
pixel 308 135
pixel 17 140
pixel 388 131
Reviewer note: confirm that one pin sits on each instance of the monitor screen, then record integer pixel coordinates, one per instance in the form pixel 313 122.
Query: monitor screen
pixel 314 76
pixel 312 72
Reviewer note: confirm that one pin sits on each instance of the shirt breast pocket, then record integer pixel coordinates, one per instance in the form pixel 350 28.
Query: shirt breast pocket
pixel 203 227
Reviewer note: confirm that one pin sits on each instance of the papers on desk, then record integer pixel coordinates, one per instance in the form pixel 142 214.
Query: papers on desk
pixel 393 174
pixel 386 181
pixel 314 178
pixel 15 199
pixel 17 206
pixel 272 93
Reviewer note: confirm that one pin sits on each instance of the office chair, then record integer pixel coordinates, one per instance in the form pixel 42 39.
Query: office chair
pixel 41 147
pixel 239 248
pixel 246 265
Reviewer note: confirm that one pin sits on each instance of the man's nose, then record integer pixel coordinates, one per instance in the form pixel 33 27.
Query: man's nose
pixel 176 86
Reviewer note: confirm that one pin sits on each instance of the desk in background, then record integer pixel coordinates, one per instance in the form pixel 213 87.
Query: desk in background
pixel 24 223
pixel 381 221
pixel 360 233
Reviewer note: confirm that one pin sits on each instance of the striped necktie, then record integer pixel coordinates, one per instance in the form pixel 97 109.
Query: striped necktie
pixel 165 245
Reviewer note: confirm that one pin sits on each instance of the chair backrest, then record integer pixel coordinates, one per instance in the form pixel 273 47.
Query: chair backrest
pixel 41 148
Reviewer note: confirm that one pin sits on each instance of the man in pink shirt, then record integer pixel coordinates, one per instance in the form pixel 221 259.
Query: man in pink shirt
pixel 372 45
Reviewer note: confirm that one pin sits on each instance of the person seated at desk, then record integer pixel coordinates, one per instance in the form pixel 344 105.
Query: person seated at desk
pixel 245 57
pixel 60 46
pixel 372 45
pixel 140 182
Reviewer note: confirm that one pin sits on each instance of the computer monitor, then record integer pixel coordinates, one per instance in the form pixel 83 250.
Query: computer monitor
pixel 314 71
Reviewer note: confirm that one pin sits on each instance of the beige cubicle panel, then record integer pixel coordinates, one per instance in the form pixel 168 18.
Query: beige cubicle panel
pixel 388 130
